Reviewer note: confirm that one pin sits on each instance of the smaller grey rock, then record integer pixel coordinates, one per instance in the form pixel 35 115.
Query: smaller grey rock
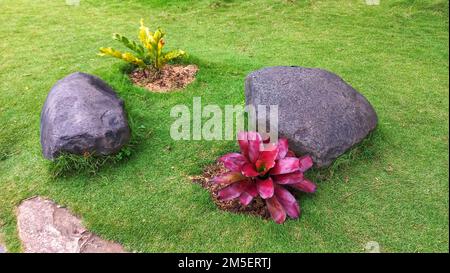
pixel 2 249
pixel 82 114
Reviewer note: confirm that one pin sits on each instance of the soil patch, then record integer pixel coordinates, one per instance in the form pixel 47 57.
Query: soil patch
pixel 170 78
pixel 257 207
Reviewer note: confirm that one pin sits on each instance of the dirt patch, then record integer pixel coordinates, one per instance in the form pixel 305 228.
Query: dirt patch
pixel 257 207
pixel 45 227
pixel 170 78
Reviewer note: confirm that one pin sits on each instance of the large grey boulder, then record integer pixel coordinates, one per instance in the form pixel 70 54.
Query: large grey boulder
pixel 319 113
pixel 83 114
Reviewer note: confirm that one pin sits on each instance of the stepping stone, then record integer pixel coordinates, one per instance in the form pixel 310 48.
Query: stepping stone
pixel 45 227
pixel 2 243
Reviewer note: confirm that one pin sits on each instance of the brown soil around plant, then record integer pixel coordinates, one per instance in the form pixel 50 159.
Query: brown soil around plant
pixel 257 207
pixel 170 78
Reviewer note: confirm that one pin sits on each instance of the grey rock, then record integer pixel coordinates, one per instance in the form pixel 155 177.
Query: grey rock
pixel 319 113
pixel 83 114
pixel 2 249
pixel 45 227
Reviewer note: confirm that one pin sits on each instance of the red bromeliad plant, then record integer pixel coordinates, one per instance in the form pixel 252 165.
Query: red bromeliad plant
pixel 265 170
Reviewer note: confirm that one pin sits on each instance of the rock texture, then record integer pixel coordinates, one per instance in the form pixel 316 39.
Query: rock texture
pixel 2 249
pixel 44 227
pixel 82 114
pixel 319 113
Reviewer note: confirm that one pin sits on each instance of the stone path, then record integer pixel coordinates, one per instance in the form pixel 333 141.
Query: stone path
pixel 45 227
pixel 2 243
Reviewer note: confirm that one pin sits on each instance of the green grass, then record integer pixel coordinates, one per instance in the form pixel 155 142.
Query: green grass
pixel 392 189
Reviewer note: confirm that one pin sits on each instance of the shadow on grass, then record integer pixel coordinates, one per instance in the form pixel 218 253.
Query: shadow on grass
pixel 361 153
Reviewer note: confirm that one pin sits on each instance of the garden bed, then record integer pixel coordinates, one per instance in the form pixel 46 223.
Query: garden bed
pixel 171 77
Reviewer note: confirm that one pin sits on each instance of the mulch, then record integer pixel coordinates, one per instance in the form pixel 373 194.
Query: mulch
pixel 170 78
pixel 257 207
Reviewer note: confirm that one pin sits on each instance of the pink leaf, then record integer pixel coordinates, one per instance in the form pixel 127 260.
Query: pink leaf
pixel 229 178
pixel 305 186
pixel 252 190
pixel 285 165
pixel 233 161
pixel 254 143
pixel 243 143
pixel 245 198
pixel 288 202
pixel 232 191
pixel 282 148
pixel 306 162
pixel 265 187
pixel 288 178
pixel 249 170
pixel 276 210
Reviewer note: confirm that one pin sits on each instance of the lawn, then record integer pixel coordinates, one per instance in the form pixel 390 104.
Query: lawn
pixel 392 189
